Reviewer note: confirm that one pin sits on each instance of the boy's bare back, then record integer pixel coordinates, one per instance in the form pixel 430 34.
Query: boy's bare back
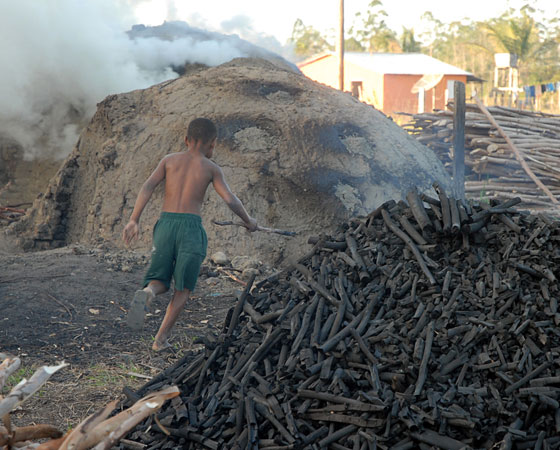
pixel 187 176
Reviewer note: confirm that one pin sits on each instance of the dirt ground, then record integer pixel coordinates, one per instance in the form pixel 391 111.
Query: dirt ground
pixel 70 305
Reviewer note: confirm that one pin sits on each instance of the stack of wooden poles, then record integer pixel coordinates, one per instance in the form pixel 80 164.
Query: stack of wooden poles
pixel 492 170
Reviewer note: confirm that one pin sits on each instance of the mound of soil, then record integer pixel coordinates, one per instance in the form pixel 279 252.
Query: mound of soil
pixel 300 155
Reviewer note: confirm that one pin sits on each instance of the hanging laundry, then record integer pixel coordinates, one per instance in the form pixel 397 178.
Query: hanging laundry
pixel 550 87
pixel 532 91
pixel 543 88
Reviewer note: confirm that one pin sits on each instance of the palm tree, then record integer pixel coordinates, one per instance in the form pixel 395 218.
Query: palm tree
pixel 521 35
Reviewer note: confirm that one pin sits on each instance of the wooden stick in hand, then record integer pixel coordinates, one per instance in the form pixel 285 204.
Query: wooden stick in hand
pixel 259 228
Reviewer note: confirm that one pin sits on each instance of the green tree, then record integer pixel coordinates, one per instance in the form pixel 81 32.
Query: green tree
pixel 307 41
pixel 353 45
pixel 408 43
pixel 374 35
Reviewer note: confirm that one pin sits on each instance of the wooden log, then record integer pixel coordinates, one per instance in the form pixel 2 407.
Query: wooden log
pixel 516 151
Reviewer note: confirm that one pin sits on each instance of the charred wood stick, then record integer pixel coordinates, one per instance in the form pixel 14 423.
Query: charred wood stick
pixel 261 351
pixel 409 228
pixel 515 150
pixel 401 234
pixel 432 438
pixel 307 315
pixel 130 395
pixel 191 369
pixel 259 228
pixel 418 211
pixel 264 412
pixel 529 270
pixel 334 340
pixel 363 347
pixel 353 247
pixel 252 426
pixel 252 313
pixel 509 223
pixel 528 377
pixel 545 381
pixel 314 340
pixel 430 200
pixel 368 310
pixel 324 396
pixel 366 407
pixel 239 307
pixel 423 372
pixel 315 435
pixel 240 413
pixel 316 285
pixel 342 418
pixel 455 217
pixel 194 437
pixel 498 209
pixel 333 437
pixel 333 245
pixel 341 310
pixel 205 368
pixel 445 208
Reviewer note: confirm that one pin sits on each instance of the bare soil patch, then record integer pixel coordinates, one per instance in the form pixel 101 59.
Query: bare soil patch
pixel 70 305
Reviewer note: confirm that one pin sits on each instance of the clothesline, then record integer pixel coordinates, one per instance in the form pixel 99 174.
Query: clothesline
pixel 539 89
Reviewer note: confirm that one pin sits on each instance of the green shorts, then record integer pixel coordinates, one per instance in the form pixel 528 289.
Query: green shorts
pixel 179 247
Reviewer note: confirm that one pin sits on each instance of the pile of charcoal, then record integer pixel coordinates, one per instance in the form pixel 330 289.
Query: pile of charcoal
pixel 427 324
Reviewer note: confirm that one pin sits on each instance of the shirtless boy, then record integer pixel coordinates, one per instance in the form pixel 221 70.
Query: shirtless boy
pixel 179 241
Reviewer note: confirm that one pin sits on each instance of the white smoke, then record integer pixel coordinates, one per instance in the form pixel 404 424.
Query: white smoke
pixel 61 57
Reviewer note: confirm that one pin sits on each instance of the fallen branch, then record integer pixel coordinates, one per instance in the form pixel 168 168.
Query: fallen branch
pixel 27 388
pixel 14 210
pixel 8 367
pixel 231 276
pixel 29 433
pixel 103 433
pixel 259 228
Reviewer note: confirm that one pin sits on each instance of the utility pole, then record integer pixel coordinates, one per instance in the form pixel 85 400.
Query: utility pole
pixel 341 47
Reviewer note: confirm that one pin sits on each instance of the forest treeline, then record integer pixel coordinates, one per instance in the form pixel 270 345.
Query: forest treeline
pixel 467 44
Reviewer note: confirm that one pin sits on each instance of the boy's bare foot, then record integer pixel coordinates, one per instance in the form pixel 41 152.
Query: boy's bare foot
pixel 159 346
pixel 138 309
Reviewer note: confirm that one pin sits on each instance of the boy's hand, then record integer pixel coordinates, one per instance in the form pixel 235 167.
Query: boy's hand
pixel 251 225
pixel 130 232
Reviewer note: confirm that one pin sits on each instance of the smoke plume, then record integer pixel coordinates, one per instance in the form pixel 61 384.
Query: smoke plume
pixel 62 57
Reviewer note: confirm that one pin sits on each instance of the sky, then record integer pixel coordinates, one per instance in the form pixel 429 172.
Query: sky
pixel 277 18
pixel 61 57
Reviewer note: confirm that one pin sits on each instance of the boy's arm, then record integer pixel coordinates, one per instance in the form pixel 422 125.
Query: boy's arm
pixel 131 231
pixel 223 190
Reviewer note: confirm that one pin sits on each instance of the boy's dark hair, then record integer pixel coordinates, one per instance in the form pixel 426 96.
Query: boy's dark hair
pixel 202 129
